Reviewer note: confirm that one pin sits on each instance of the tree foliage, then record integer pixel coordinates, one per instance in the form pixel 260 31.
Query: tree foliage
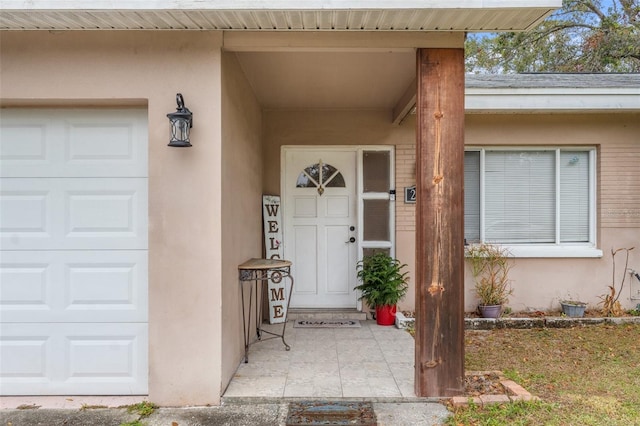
pixel 582 36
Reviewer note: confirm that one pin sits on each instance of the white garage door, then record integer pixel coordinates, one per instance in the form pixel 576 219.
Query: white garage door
pixel 73 258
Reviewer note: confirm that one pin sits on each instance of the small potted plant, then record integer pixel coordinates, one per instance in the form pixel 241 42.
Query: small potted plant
pixel 573 308
pixel 383 285
pixel 490 266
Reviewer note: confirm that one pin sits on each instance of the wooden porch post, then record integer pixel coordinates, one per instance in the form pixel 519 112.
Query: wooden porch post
pixel 440 223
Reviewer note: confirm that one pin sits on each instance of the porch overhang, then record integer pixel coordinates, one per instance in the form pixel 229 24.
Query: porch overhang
pixel 278 15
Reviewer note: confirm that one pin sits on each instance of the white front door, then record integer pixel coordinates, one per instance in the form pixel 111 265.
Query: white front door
pixel 320 198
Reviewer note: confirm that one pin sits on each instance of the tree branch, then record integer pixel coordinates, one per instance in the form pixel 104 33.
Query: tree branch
pixel 551 30
pixel 592 7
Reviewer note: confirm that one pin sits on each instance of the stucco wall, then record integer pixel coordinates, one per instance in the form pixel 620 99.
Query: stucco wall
pixel 241 201
pixel 148 68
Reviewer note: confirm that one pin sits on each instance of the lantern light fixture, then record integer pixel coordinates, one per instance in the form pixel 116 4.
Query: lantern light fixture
pixel 181 122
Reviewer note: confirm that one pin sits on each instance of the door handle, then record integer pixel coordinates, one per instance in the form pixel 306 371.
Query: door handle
pixel 351 240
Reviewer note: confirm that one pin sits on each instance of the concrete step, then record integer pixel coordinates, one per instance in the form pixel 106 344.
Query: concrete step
pixel 311 314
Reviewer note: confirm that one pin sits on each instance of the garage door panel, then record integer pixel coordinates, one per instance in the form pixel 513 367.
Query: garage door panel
pixel 68 214
pixel 24 141
pixel 24 285
pixel 80 359
pixel 103 213
pixel 24 358
pixel 24 211
pixel 70 143
pixel 74 286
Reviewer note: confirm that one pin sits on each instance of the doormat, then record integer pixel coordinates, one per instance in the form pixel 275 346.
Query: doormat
pixel 327 323
pixel 310 413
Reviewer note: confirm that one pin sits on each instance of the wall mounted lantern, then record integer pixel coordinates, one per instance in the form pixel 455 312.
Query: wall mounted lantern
pixel 181 123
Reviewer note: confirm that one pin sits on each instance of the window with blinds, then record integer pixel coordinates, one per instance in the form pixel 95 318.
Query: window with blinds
pixel 529 196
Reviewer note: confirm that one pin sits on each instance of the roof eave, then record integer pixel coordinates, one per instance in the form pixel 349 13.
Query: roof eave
pixel 552 100
pixel 274 5
pixel 276 15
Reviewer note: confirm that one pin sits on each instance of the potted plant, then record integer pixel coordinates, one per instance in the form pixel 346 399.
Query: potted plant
pixel 573 308
pixel 490 266
pixel 383 285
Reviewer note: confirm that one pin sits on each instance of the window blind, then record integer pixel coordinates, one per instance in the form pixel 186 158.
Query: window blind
pixel 472 196
pixel 574 196
pixel 520 196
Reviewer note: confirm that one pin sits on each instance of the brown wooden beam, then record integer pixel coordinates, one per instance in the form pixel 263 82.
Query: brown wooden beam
pixel 405 104
pixel 440 223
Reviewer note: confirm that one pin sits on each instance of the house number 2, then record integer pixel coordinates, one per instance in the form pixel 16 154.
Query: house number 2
pixel 410 194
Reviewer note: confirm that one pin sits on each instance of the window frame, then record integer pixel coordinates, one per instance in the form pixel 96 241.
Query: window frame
pixel 558 248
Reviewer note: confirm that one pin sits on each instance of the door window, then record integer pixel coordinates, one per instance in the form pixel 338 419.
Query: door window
pixel 376 201
pixel 376 173
pixel 320 176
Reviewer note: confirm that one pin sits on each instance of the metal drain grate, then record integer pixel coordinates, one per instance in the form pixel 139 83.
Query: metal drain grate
pixel 330 413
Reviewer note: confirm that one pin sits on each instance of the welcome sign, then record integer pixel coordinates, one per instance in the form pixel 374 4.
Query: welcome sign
pixel 276 291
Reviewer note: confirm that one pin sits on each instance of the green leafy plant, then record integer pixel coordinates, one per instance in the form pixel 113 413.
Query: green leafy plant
pixel 490 266
pixel 143 409
pixel 382 280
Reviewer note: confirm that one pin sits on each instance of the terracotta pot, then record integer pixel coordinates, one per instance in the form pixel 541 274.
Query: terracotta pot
pixel 490 311
pixel 386 315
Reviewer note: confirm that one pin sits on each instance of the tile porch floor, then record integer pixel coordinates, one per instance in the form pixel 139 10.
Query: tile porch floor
pixel 368 362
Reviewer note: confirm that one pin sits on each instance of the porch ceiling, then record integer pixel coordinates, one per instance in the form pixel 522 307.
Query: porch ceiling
pixel 285 15
pixel 329 79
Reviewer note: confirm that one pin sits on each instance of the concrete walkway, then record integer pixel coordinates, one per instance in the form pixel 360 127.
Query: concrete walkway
pixel 258 414
pixel 368 362
pixel 371 363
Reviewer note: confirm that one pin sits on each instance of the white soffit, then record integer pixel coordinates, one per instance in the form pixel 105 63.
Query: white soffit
pixel 279 15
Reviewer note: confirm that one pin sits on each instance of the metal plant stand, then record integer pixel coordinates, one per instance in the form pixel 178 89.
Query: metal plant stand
pixel 259 271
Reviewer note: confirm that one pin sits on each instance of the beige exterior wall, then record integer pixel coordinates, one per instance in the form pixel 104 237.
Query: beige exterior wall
pixel 148 68
pixel 539 283
pixel 406 213
pixel 241 201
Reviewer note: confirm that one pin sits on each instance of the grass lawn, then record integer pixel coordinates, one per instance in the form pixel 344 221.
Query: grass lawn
pixel 584 375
